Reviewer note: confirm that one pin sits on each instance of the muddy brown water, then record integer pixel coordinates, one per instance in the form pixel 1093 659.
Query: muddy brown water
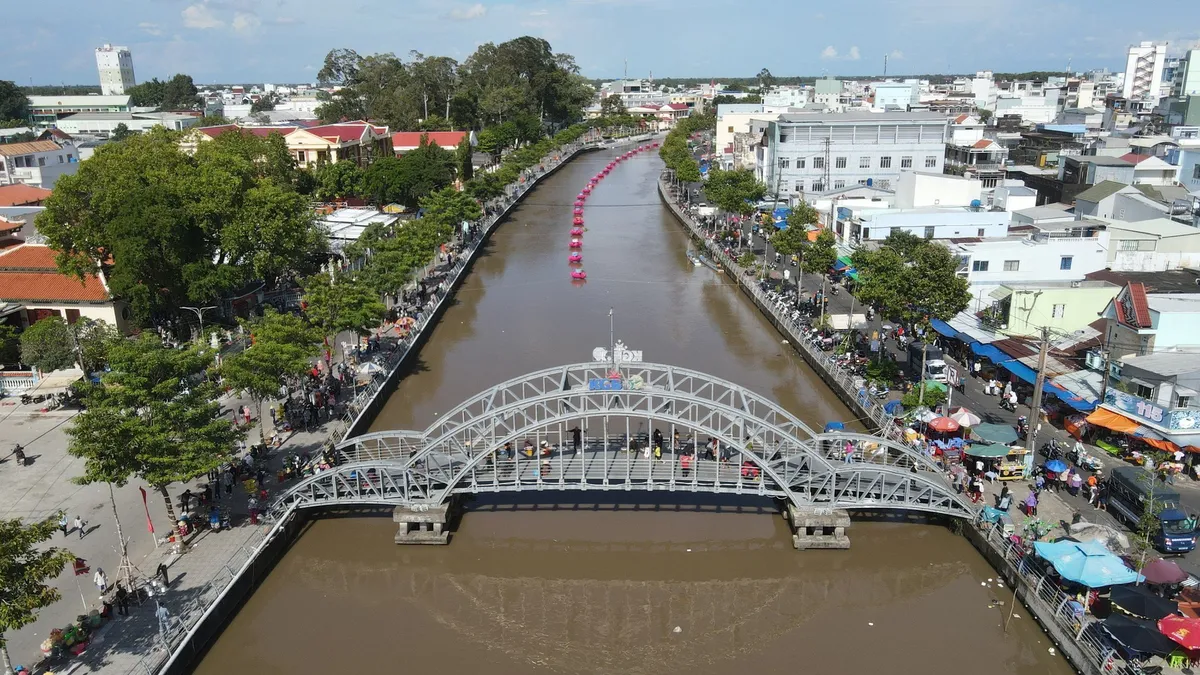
pixel 630 583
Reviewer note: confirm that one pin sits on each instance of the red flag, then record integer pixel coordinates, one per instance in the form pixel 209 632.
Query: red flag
pixel 80 566
pixel 149 523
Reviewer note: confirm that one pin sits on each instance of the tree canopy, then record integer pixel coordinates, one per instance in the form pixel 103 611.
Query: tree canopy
pixel 734 191
pixel 27 570
pixel 494 84
pixel 47 345
pixel 14 104
pixel 341 303
pixel 177 93
pixel 409 178
pixel 911 278
pixel 173 228
pixel 155 414
pixel 337 180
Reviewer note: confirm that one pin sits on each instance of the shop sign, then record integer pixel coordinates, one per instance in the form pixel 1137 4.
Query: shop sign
pixel 605 384
pixel 1180 418
pixel 952 376
pixel 620 354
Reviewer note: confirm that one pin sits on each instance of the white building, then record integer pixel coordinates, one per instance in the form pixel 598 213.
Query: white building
pixel 115 65
pixel 1143 72
pixel 102 125
pixel 1032 106
pixel 36 163
pixel 815 152
pixel 1187 78
pixel 983 88
pixel 989 264
pixel 897 95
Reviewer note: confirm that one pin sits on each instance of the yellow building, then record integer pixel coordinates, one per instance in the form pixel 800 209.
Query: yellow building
pixel 358 142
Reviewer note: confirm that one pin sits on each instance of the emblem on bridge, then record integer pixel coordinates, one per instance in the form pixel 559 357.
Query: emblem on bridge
pixel 619 354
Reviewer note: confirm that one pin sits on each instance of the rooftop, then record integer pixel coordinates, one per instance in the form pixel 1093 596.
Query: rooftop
pixel 1047 212
pixel 1038 285
pixel 1100 160
pixel 1163 193
pixel 412 139
pixel 1157 227
pixel 76 101
pixel 30 147
pixel 1101 190
pixel 1171 281
pixel 1174 303
pixel 28 273
pixel 19 194
pixel 1167 363
pixel 862 117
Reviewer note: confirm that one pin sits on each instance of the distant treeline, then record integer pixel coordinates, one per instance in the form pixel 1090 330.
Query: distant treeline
pixel 61 90
pixel 750 83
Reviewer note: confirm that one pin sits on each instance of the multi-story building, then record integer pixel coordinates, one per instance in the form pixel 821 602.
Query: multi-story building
pixel 102 125
pixel 969 154
pixel 358 142
pixel 116 70
pixel 1187 77
pixel 36 163
pixel 815 152
pixel 47 110
pixel 897 95
pixel 1144 72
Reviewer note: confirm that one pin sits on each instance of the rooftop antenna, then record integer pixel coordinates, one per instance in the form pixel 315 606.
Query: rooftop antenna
pixel 626 75
pixel 885 58
pixel 612 343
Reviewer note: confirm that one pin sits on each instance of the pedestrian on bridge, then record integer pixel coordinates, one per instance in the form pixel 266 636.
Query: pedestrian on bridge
pixel 685 463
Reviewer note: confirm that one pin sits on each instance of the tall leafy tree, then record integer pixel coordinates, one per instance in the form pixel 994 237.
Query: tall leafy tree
pixel 155 415
pixel 463 156
pixel 338 180
pixel 27 568
pixel 10 345
pixel 734 191
pixel 14 104
pixel 612 105
pixel 341 303
pixel 450 207
pixel 912 278
pixel 93 341
pixel 282 348
pixel 47 345
pixel 409 178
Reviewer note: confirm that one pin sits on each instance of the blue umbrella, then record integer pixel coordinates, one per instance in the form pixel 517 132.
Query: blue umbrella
pixel 1088 563
pixel 1056 465
pixel 834 426
pixel 893 407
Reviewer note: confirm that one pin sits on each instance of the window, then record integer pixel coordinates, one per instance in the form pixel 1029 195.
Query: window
pixel 41 161
pixel 1064 263
pixel 929 232
pixel 1196 172
pixel 730 130
pixel 1183 401
pixel 818 186
pixel 818 162
pixel 862 181
pixel 981 232
pixel 1143 391
pixel 1129 245
pixel 60 159
pixel 799 186
pixel 783 138
pixel 931 162
pixel 885 162
pixel 785 163
pixel 866 233
pixel 839 162
pixel 1058 311
pixel 800 162
pixel 839 184
pixel 864 162
pixel 1012 265
pixel 979 265
pixel 883 184
pixel 906 162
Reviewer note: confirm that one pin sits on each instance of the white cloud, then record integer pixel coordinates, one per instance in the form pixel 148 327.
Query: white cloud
pixel 829 53
pixel 854 55
pixel 245 23
pixel 151 28
pixel 467 13
pixel 539 12
pixel 201 17
pixel 896 55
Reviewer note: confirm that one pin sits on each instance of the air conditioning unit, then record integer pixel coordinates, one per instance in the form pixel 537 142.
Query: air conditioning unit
pixel 1094 361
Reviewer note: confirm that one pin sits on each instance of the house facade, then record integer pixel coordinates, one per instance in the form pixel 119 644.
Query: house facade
pixel 358 142
pixel 32 289
pixel 36 163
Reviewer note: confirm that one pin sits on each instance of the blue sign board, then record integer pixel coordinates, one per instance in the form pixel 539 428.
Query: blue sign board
pixel 608 384
pixel 1183 419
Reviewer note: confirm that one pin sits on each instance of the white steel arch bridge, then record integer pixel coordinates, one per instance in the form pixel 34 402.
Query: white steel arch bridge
pixel 586 427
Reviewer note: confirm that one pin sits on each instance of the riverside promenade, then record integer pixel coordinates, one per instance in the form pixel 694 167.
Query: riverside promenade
pixel 219 569
pixel 1040 596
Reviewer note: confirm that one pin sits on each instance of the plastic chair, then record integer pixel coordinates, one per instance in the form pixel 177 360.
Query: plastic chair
pixel 1177 660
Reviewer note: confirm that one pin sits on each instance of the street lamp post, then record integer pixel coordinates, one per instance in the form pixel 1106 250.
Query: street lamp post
pixel 199 311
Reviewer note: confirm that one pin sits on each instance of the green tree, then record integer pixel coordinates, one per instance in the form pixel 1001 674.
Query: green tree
pixel 802 216
pixel 450 207
pixel 341 303
pixel 47 345
pixel 912 278
pixel 26 571
pixel 985 115
pixel 120 133
pixel 791 240
pixel 14 104
pixel 934 396
pixel 337 181
pixel 463 158
pixel 734 191
pixel 212 121
pixel 612 105
pixel 155 415
pixel 148 94
pixel 179 93
pixel 409 178
pixel 282 348
pixel 10 346
pixel 746 259
pixel 94 340
pixel 822 253
pixel 263 104
pixel 765 80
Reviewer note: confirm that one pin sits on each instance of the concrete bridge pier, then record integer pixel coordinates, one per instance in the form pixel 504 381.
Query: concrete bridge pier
pixel 422 523
pixel 818 527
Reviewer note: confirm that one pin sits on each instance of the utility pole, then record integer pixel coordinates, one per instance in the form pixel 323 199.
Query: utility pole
pixel 921 375
pixel 828 167
pixel 1035 410
pixel 1104 374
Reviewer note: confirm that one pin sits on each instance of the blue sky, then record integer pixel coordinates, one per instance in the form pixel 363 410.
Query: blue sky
pixel 286 40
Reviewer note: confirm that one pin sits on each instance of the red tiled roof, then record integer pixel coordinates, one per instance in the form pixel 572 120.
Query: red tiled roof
pixel 1141 308
pixel 9 226
pixel 28 273
pixel 345 131
pixel 982 143
pixel 1134 158
pixel 22 195
pixel 411 139
pixel 261 132
pixel 961 118
pixel 213 132
pixel 676 106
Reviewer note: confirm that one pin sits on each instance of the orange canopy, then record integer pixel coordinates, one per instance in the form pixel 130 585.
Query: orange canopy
pixel 1111 420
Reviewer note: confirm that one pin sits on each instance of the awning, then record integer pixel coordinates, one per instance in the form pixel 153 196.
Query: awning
pixel 989 352
pixel 995 433
pixel 841 264
pixel 56 382
pixel 944 328
pixel 1108 419
pixel 1080 403
pixel 1019 369
pixel 1000 293
pixel 972 329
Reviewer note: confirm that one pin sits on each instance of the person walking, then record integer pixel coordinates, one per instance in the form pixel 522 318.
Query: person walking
pixel 101 581
pixel 685 463
pixel 122 598
pixel 62 523
pixel 81 526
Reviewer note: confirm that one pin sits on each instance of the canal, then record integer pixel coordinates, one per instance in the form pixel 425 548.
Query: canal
pixel 628 583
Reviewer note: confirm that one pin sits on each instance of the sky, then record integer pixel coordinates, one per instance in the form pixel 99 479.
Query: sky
pixel 285 41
